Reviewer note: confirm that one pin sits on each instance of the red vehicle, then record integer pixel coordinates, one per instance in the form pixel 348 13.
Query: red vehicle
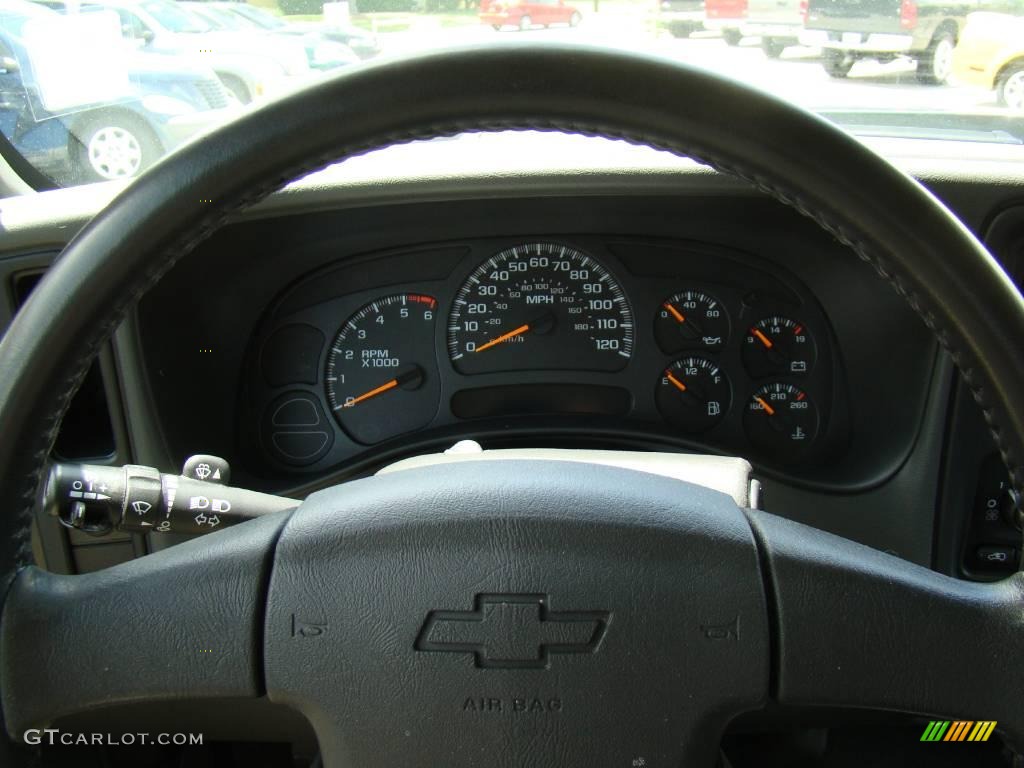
pixel 727 16
pixel 527 13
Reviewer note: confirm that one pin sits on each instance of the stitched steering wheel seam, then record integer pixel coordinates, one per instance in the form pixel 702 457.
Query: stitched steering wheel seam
pixel 221 209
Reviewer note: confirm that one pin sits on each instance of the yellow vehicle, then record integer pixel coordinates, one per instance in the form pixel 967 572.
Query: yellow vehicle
pixel 990 53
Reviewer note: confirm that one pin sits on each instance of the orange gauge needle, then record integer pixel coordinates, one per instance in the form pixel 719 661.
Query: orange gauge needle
pixel 504 337
pixel 767 408
pixel 680 318
pixel 764 339
pixel 411 379
pixel 675 382
pixel 372 393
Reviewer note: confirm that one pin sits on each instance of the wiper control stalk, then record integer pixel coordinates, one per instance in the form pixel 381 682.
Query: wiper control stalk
pixel 97 499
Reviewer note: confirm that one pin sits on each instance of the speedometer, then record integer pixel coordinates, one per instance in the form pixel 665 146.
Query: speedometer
pixel 540 306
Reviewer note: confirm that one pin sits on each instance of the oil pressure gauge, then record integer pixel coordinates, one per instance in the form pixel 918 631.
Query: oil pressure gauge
pixel 691 320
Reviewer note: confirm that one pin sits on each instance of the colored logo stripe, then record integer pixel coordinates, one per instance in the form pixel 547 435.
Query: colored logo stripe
pixel 935 730
pixel 958 730
pixel 982 730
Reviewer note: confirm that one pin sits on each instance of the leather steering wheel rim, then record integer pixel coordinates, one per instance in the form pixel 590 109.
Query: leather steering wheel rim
pixel 890 220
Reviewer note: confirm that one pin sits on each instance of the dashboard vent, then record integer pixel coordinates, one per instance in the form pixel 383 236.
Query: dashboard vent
pixel 87 432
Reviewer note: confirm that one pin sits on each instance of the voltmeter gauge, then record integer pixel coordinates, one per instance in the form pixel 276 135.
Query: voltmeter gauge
pixel 780 418
pixel 691 320
pixel 381 370
pixel 778 346
pixel 693 394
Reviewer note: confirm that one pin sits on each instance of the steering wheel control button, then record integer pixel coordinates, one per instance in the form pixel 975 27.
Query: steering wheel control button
pixel 142 499
pixel 88 497
pixel 996 558
pixel 991 542
pixel 137 499
pixel 296 430
pixel 207 469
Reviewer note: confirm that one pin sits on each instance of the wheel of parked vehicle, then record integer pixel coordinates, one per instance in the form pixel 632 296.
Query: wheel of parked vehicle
pixel 575 19
pixel 732 36
pixel 115 146
pixel 772 47
pixel 239 89
pixel 525 22
pixel 681 29
pixel 837 64
pixel 1010 89
pixel 936 63
pixel 611 612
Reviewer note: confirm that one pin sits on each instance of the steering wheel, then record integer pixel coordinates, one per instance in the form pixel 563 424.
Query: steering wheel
pixel 543 614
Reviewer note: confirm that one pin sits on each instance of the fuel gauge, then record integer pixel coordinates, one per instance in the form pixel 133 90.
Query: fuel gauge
pixel 693 394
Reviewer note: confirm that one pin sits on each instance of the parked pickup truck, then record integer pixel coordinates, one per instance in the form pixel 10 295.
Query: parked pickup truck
pixel 777 22
pixel 681 18
pixel 727 17
pixel 924 30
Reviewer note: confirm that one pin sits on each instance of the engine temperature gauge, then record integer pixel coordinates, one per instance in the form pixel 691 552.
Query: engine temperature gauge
pixel 781 418
pixel 693 394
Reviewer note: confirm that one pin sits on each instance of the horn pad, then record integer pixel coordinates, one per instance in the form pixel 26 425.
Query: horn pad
pixel 517 613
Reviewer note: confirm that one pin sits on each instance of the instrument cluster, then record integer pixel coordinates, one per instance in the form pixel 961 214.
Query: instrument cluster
pixel 618 340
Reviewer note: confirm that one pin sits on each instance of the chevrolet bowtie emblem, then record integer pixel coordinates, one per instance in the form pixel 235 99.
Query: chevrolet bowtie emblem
pixel 513 631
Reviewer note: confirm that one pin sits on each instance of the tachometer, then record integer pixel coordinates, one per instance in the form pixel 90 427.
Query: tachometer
pixel 381 370
pixel 540 306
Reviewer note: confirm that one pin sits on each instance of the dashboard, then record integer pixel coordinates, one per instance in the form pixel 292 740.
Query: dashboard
pixel 540 309
pixel 240 341
pixel 677 340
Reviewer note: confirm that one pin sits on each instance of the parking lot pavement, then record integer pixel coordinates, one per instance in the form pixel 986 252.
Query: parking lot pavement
pixel 798 76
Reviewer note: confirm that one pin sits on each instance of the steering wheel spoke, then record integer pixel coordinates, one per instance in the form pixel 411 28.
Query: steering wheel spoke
pixel 860 628
pixel 182 623
pixel 516 613
pixel 435 617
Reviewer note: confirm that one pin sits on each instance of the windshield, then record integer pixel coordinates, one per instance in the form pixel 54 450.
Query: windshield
pixel 219 18
pixel 258 16
pixel 174 18
pixel 906 69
